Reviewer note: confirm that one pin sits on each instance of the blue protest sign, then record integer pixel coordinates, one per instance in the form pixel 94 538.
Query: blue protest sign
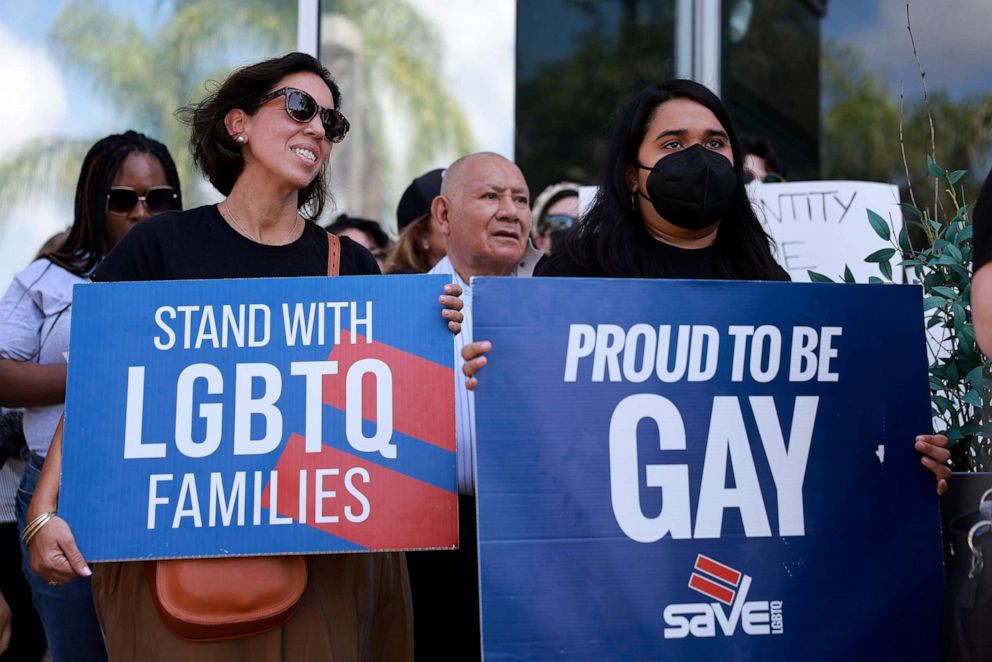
pixel 264 416
pixel 704 470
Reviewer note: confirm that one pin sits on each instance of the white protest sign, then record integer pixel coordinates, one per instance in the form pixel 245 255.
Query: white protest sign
pixel 823 226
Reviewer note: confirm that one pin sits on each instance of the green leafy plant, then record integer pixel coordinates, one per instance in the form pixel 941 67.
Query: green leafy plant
pixel 939 259
pixel 958 382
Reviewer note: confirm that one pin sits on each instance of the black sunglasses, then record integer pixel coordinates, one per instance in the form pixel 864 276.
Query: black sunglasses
pixel 302 108
pixel 122 199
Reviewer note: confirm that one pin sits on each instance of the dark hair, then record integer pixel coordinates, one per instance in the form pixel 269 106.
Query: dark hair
pixel 981 219
pixel 368 226
pixel 764 149
pixel 217 154
pixel 83 248
pixel 611 238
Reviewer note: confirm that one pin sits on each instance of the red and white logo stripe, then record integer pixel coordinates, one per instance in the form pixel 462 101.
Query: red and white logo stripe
pixel 715 580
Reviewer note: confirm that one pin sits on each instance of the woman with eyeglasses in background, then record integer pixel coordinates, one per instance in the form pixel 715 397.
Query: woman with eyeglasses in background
pixel 555 212
pixel 263 139
pixel 125 178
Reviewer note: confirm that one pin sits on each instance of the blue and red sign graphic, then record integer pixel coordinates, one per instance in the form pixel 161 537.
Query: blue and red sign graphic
pixel 239 417
pixel 704 471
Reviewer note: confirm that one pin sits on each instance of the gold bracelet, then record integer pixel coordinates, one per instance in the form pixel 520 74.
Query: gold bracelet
pixel 32 529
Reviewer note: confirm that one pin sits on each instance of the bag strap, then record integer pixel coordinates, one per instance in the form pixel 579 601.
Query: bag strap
pixel 333 255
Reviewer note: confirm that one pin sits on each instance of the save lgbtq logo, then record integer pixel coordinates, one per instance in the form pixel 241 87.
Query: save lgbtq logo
pixel 729 588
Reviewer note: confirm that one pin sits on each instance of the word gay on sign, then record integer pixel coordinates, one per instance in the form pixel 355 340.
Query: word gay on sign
pixel 703 470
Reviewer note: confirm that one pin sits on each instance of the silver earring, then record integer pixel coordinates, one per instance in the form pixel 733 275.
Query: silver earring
pixel 240 139
pixel 425 244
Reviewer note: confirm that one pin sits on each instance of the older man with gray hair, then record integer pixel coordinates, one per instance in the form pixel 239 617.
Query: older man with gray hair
pixel 484 213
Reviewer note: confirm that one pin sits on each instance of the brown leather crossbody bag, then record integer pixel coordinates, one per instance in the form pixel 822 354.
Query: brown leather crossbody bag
pixel 229 598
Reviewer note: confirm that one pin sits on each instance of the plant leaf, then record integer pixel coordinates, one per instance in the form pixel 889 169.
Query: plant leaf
pixel 942 403
pixel 879 225
pixel 875 280
pixel 848 276
pixel 973 398
pixel 960 317
pixel 954 177
pixel 975 376
pixel 932 302
pixel 954 433
pixel 881 255
pixel 934 169
pixel 903 240
pixel 967 338
pixel 886 269
pixel 912 209
pixel 945 292
pixel 818 278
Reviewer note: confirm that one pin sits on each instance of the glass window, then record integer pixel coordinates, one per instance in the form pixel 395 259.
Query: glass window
pixel 576 62
pixel 423 82
pixel 77 71
pixel 771 76
pixel 868 63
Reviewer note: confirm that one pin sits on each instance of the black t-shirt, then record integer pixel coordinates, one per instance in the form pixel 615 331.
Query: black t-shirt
pixel 687 263
pixel 199 244
pixel 982 220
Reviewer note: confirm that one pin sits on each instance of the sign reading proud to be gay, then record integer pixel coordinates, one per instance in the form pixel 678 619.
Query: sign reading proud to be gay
pixel 704 471
pixel 264 416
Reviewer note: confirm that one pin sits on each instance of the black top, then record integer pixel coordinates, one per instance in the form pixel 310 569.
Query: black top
pixel 688 263
pixel 982 220
pixel 199 244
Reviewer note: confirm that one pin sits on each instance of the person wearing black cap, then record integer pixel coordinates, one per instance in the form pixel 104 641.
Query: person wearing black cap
pixel 420 245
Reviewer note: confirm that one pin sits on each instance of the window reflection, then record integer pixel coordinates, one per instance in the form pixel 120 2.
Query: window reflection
pixel 576 61
pixel 87 69
pixel 868 63
pixel 771 76
pixel 423 82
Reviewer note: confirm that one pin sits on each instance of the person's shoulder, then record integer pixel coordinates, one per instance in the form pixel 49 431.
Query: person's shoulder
pixel 44 278
pixel 779 274
pixel 560 264
pixel 148 247
pixel 43 270
pixel 443 266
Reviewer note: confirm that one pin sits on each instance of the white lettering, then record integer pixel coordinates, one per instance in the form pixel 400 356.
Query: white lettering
pixel 673 479
pixel 380 441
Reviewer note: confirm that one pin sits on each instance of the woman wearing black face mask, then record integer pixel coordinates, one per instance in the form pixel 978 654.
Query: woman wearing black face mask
pixel 671 202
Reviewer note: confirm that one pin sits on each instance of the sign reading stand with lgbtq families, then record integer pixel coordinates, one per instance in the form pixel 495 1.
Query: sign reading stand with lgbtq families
pixel 262 416
pixel 702 470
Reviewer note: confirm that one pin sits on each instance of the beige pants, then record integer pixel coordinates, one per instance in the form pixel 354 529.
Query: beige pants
pixel 356 608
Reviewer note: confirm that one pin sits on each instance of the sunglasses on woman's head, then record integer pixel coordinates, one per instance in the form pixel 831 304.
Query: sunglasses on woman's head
pixel 122 199
pixel 302 108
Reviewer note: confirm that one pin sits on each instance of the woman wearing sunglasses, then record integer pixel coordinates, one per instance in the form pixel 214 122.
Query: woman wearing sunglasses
pixel 125 179
pixel 262 139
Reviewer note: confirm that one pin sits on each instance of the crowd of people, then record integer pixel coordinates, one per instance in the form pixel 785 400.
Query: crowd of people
pixel 671 203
